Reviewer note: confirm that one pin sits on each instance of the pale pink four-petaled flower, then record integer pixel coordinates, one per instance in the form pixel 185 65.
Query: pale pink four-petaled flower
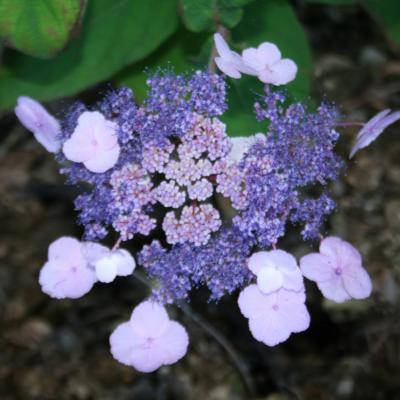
pixel 268 65
pixel 66 274
pixel 265 62
pixel 337 269
pixel 73 267
pixel 275 306
pixel 149 339
pixel 94 142
pixel 34 117
pixel 373 128
pixel 275 316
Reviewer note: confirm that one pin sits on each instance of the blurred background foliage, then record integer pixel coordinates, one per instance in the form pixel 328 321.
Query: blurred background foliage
pixel 51 49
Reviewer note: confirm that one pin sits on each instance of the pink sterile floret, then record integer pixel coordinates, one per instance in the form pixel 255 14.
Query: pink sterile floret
pixel 66 274
pixel 267 63
pixel 276 269
pixel 94 142
pixel 34 117
pixel 115 263
pixel 337 269
pixel 228 61
pixel 275 316
pixel 373 129
pixel 149 339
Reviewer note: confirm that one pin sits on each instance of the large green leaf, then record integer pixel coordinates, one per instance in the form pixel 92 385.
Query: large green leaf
pixel 38 27
pixel 115 34
pixel 267 21
pixel 386 12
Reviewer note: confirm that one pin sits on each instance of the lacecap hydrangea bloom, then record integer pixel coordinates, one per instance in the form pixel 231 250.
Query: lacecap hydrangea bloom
pixel 213 208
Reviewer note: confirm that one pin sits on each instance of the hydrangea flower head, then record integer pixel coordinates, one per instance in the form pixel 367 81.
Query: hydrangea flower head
pixel 273 317
pixel 34 117
pixel 337 269
pixel 94 142
pixel 66 274
pixel 276 269
pixel 373 129
pixel 267 63
pixel 149 339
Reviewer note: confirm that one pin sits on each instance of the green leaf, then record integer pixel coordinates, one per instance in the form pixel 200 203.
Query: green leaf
pixel 115 34
pixel 335 2
pixel 198 14
pixel 267 21
pixel 38 27
pixel 387 13
pixel 207 15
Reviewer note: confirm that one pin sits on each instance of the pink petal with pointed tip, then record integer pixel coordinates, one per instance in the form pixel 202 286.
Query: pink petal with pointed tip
pixel 222 47
pixel 371 123
pixel 34 117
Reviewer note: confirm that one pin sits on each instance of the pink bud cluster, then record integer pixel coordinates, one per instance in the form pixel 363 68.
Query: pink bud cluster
pixel 195 224
pixel 190 168
pixel 132 190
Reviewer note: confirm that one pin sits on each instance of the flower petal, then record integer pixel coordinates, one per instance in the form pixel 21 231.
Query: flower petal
pixel 357 283
pixel 227 68
pixel 34 117
pixel 269 280
pixel 258 260
pixel 316 267
pixel 251 59
pixel 270 331
pixel 106 269
pixel 333 289
pixel 103 160
pixel 61 282
pixel 252 302
pixel 149 319
pixel 222 47
pixel 269 53
pixel 280 73
pixel 174 343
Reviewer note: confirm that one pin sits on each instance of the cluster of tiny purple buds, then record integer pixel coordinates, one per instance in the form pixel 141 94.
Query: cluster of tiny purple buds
pixel 220 203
